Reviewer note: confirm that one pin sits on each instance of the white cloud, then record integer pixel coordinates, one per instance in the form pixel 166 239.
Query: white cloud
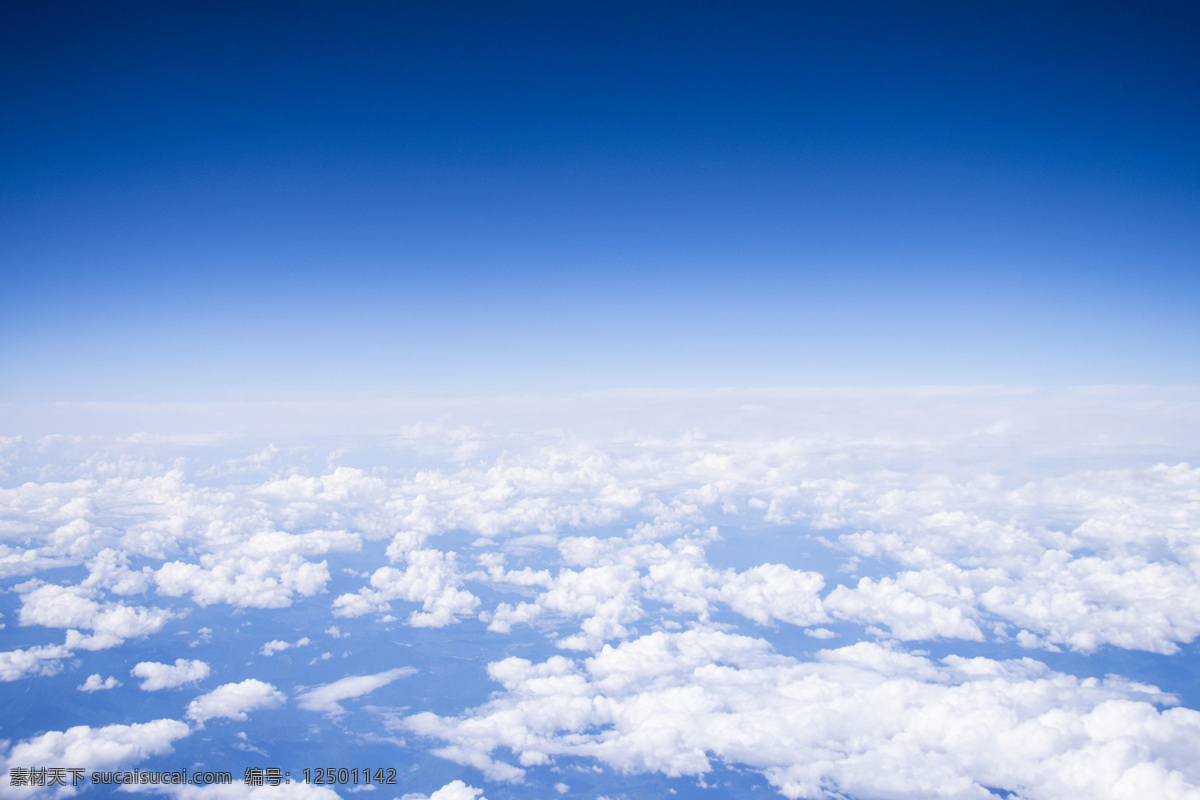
pixel 278 645
pixel 76 607
pixel 95 683
pixel 992 516
pixel 1080 560
pixel 455 790
pixel 109 569
pixel 325 699
pixel 263 571
pixel 431 578
pixel 39 660
pixel 95 748
pixel 606 596
pixel 915 605
pixel 234 700
pixel 156 676
pixel 26 561
pixel 775 592
pixel 862 720
pixel 1110 550
pixel 625 571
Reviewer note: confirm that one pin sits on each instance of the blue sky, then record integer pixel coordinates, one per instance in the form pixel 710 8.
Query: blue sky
pixel 535 399
pixel 201 199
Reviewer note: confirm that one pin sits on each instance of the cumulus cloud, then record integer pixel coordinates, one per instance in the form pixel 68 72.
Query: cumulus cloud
pixel 156 676
pixel 431 578
pixel 974 555
pixel 1077 558
pixel 1100 576
pixel 40 660
pixel 94 748
pixel 455 790
pixel 775 592
pixel 625 572
pixel 606 596
pixel 325 699
pixel 974 551
pixel 264 571
pixel 234 700
pixel 26 561
pixel 77 607
pixel 863 720
pixel 908 518
pixel 914 605
pixel 109 569
pixel 95 683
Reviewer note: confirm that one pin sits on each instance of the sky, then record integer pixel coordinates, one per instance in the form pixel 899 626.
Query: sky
pixel 205 199
pixel 600 401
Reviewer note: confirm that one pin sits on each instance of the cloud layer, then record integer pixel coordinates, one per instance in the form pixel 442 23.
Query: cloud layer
pixel 667 563
pixel 859 721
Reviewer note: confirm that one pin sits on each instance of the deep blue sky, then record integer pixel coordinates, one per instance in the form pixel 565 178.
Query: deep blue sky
pixel 198 198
